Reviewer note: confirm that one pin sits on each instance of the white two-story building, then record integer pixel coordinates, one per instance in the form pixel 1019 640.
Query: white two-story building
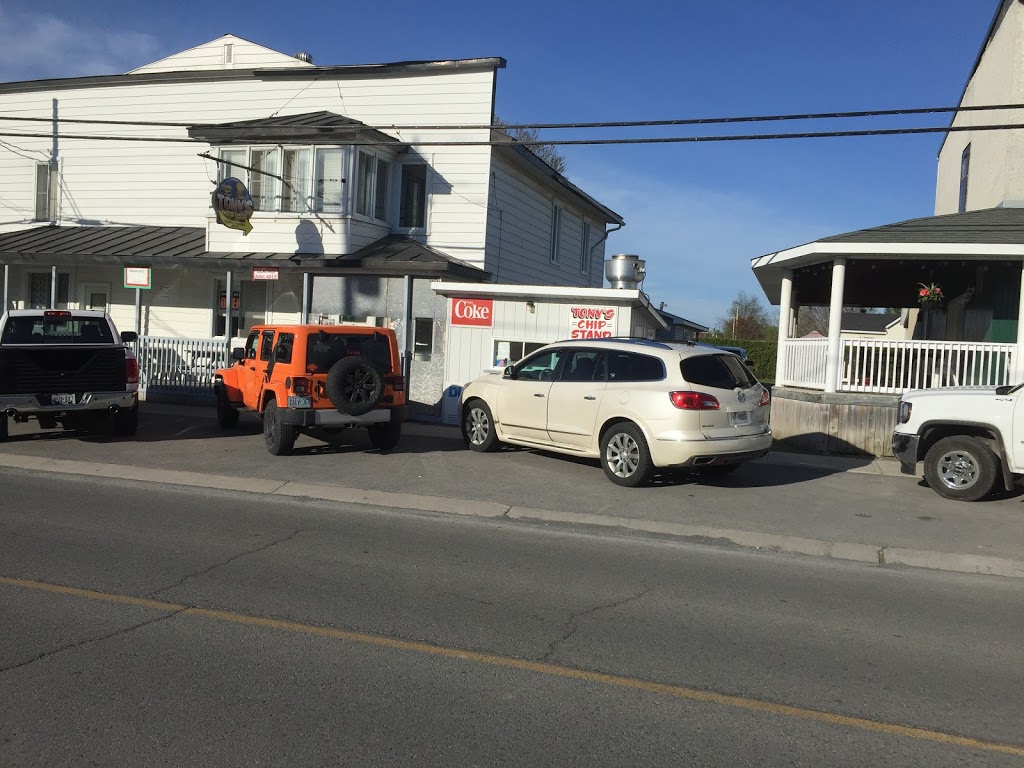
pixel 367 182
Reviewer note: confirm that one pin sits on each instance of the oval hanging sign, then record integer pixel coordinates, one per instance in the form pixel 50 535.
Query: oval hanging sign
pixel 232 204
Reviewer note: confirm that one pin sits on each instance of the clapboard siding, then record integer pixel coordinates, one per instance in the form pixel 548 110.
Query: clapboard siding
pixel 519 233
pixel 165 184
pixel 245 54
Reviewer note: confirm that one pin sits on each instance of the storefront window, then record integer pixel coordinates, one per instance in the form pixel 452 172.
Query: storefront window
pixel 510 352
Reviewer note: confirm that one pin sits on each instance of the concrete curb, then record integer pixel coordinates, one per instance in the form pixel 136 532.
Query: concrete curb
pixel 769 542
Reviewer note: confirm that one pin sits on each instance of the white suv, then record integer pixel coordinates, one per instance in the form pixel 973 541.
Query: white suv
pixel 632 403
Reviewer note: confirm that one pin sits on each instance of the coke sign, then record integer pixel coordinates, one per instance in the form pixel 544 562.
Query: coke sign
pixel 477 312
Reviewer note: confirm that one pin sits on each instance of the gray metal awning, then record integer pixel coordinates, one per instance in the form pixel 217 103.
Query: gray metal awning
pixel 185 247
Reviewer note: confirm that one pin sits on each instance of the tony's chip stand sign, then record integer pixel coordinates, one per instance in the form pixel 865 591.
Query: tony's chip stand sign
pixel 592 322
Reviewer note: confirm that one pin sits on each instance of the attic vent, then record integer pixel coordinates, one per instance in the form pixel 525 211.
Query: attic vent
pixel 303 56
pixel 229 53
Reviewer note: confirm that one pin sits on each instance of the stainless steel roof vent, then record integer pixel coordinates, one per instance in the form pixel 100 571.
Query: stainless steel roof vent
pixel 303 56
pixel 625 270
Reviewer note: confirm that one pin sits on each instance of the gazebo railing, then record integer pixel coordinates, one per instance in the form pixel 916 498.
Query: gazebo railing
pixel 179 367
pixel 892 366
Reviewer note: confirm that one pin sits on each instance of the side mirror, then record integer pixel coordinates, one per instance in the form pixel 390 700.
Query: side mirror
pixel 129 337
pixel 238 353
pixel 508 373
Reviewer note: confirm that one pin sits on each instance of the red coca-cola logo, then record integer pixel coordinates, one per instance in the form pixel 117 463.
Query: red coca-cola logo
pixel 478 312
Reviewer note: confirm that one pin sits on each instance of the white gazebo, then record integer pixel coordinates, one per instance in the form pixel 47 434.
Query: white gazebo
pixel 839 394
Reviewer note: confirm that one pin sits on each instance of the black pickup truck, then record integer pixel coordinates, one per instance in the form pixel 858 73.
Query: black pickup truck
pixel 69 368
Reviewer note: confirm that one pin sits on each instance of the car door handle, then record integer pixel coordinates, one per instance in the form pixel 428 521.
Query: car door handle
pixel 537 394
pixel 589 397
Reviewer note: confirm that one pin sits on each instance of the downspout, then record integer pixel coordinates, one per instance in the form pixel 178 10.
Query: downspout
pixel 599 242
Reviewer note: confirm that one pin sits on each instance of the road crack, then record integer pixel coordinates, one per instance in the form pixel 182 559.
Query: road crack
pixel 91 640
pixel 228 561
pixel 571 626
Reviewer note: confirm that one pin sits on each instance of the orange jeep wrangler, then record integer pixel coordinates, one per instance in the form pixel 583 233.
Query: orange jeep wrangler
pixel 318 380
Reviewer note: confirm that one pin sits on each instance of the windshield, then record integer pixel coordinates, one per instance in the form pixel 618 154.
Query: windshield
pixel 717 371
pixel 38 329
pixel 324 349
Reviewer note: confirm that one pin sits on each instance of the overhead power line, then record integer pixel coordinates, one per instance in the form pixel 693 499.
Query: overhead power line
pixel 596 124
pixel 581 142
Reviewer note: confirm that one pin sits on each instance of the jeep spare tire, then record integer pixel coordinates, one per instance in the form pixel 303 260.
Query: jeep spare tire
pixel 355 385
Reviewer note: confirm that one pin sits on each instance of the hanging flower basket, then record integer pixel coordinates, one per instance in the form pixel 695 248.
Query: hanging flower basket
pixel 930 293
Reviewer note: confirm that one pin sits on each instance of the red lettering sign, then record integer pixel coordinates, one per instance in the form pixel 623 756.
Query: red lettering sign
pixel 591 322
pixel 476 312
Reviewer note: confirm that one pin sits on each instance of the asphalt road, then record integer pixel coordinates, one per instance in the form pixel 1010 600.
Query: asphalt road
pixel 149 625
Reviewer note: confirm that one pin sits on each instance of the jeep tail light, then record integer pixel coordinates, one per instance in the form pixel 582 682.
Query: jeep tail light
pixel 131 370
pixel 694 401
pixel 300 385
pixel 397 382
pixel 766 398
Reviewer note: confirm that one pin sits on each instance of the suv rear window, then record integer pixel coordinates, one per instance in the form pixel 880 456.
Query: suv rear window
pixel 37 329
pixel 716 371
pixel 324 349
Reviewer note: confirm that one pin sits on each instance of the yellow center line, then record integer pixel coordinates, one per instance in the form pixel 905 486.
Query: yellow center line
pixel 540 667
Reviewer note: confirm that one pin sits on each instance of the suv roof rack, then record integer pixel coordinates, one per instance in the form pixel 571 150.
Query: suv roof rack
pixel 639 340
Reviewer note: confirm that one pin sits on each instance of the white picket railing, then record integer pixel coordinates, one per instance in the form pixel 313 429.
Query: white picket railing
pixel 169 366
pixel 889 366
pixel 892 366
pixel 805 363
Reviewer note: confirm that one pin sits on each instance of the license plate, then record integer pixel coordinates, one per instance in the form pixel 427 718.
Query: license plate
pixel 62 398
pixel 739 418
pixel 300 402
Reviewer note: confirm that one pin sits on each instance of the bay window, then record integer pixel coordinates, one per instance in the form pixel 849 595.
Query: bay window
pixel 296 180
pixel 263 179
pixel 329 181
pixel 372 175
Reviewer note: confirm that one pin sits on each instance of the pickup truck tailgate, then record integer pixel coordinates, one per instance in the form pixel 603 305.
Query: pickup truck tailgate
pixel 39 369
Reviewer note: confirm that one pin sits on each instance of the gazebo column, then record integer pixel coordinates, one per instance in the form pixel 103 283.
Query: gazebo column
pixel 1018 360
pixel 785 326
pixel 7 288
pixel 835 321
pixel 305 298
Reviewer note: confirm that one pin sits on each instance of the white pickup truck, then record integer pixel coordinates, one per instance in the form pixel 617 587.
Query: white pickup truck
pixel 67 367
pixel 969 438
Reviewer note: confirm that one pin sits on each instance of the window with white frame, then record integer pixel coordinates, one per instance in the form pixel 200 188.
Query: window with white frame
pixel 295 185
pixel 507 352
pixel 46 192
pixel 328 182
pixel 372 176
pixel 556 233
pixel 264 181
pixel 232 164
pixel 585 249
pixel 412 213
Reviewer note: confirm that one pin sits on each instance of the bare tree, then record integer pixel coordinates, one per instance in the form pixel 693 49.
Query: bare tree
pixel 545 152
pixel 747 318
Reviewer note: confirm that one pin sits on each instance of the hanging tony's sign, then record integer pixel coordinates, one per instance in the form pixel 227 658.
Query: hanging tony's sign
pixel 478 312
pixel 592 322
pixel 232 204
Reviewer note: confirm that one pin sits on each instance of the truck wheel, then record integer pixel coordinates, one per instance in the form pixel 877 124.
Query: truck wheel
pixel 126 421
pixel 280 437
pixel 227 415
pixel 355 385
pixel 385 436
pixel 961 468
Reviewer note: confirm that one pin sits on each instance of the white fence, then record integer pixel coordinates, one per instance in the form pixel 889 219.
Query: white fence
pixel 888 366
pixel 182 368
pixel 805 363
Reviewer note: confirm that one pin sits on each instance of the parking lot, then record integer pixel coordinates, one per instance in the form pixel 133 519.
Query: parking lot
pixel 775 495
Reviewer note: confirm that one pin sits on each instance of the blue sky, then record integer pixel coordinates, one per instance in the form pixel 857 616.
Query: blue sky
pixel 696 213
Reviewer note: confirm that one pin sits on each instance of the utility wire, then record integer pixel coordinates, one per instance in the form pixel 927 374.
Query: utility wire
pixel 567 142
pixel 600 124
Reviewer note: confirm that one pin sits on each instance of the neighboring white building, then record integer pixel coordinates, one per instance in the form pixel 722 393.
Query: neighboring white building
pixel 360 199
pixel 985 169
